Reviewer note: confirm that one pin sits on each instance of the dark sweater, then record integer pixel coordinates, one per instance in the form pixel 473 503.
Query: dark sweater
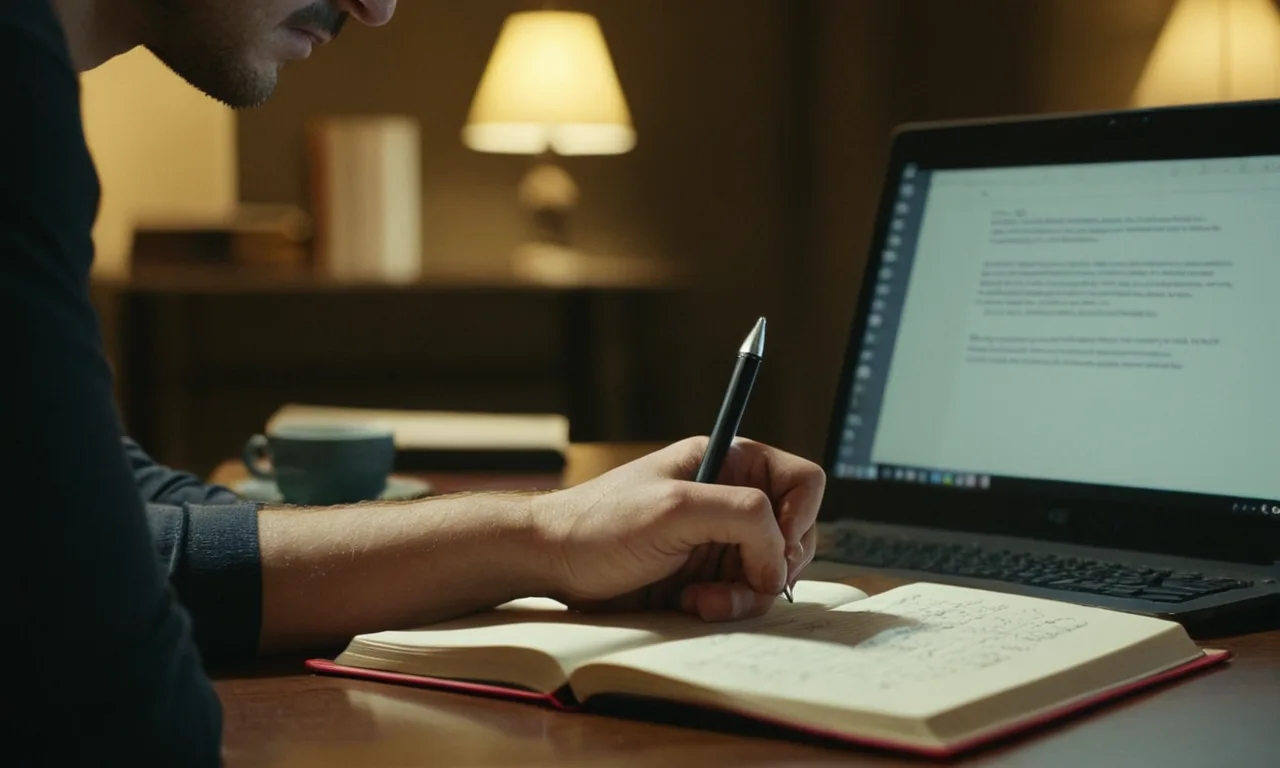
pixel 101 662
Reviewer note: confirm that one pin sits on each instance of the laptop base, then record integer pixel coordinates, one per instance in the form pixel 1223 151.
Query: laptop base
pixel 1209 598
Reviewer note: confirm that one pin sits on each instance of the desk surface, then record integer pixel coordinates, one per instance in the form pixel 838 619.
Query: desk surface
pixel 276 714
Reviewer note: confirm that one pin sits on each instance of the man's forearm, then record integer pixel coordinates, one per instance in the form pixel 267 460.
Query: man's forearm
pixel 329 574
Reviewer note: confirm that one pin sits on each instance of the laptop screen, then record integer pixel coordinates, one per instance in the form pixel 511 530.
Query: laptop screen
pixel 1105 327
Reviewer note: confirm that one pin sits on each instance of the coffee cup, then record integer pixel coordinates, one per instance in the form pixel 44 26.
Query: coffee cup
pixel 323 464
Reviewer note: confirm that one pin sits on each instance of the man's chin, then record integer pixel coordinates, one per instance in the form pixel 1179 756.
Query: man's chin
pixel 239 86
pixel 247 90
pixel 242 98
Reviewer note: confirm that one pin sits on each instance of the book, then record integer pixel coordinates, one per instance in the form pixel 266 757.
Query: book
pixel 924 668
pixel 443 441
pixel 366 190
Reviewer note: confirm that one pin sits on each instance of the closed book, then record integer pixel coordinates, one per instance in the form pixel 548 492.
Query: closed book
pixel 453 441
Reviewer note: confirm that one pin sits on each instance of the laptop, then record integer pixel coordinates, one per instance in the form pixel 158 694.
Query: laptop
pixel 1063 375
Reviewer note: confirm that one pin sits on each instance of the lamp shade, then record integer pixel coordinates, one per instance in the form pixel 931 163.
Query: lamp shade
pixel 1214 50
pixel 550 85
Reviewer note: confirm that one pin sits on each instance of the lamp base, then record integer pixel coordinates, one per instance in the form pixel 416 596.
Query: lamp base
pixel 556 265
pixel 547 256
pixel 551 194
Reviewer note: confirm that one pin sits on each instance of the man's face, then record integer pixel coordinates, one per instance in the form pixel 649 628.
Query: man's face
pixel 233 49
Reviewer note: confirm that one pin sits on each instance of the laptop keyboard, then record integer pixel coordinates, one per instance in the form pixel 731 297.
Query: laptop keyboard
pixel 1074 574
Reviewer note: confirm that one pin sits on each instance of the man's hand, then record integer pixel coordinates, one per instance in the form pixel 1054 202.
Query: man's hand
pixel 646 536
pixel 641 536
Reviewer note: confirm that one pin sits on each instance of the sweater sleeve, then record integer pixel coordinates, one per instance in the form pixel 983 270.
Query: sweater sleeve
pixel 159 484
pixel 99 647
pixel 207 541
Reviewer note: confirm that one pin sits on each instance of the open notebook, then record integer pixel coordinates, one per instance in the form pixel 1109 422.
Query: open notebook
pixel 924 668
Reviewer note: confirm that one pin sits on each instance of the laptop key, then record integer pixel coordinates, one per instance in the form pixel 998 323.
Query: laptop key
pixel 1073 574
pixel 1183 594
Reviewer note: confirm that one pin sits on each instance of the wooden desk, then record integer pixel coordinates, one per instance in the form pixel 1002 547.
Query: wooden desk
pixel 277 714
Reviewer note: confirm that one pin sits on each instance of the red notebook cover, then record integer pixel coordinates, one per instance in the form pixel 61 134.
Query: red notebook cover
pixel 564 700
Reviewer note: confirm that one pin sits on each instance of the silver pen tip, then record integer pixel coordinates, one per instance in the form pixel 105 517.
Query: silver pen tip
pixel 754 344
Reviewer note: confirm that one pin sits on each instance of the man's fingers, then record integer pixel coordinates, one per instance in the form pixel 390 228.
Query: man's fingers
pixel 700 565
pixel 724 601
pixel 730 566
pixel 796 485
pixel 791 489
pixel 799 496
pixel 679 460
pixel 798 508
pixel 801 554
pixel 698 513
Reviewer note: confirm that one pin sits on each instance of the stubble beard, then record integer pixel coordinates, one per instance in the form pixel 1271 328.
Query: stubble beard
pixel 208 53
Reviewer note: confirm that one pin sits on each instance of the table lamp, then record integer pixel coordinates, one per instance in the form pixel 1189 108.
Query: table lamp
pixel 1214 51
pixel 550 89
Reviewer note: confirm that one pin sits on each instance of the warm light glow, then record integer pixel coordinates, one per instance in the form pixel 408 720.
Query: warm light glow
pixel 164 152
pixel 1214 50
pixel 550 85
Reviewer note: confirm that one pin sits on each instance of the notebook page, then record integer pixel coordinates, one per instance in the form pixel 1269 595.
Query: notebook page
pixel 911 652
pixel 535 623
pixel 573 638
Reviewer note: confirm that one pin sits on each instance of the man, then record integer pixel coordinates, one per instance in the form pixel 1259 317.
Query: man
pixel 101 659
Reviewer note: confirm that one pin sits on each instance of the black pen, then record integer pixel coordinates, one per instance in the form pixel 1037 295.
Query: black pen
pixel 750 355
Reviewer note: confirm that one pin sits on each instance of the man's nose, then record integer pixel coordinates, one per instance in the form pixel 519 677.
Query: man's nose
pixel 375 13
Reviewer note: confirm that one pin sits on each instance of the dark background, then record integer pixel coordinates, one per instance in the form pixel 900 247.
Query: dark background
pixel 763 132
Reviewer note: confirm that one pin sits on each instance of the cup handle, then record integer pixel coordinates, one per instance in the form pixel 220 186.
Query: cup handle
pixel 255 451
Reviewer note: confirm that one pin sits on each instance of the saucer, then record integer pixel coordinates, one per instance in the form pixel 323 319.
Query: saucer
pixel 266 492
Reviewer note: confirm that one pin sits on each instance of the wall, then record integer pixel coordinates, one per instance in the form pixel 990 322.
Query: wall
pixel 705 82
pixel 764 129
pixel 162 149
